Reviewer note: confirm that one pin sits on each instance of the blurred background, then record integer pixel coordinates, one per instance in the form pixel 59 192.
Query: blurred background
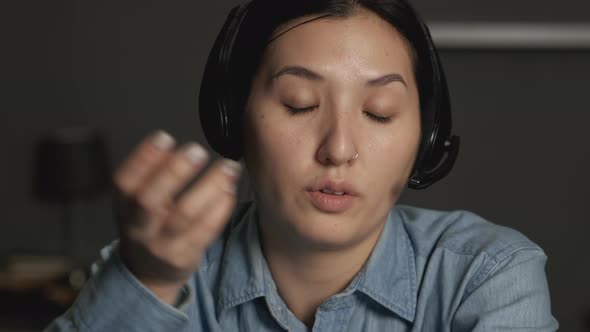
pixel 114 71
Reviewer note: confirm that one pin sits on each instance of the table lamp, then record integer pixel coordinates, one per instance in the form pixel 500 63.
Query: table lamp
pixel 70 164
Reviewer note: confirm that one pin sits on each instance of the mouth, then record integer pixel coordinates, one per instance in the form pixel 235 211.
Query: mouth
pixel 332 187
pixel 330 192
pixel 332 197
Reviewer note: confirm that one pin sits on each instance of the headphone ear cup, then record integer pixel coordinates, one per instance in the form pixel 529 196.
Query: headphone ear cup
pixel 422 179
pixel 220 122
pixel 441 126
pixel 439 148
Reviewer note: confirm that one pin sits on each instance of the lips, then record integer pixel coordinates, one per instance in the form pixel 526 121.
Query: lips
pixel 328 191
pixel 332 197
pixel 329 186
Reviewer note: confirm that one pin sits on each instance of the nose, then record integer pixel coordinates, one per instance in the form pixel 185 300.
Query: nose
pixel 337 145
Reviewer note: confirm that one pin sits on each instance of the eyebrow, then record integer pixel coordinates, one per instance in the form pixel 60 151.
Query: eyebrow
pixel 313 76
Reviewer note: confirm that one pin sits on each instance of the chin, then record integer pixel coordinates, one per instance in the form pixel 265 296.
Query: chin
pixel 315 229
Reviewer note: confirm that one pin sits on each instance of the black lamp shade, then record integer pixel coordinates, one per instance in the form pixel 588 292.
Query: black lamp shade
pixel 70 164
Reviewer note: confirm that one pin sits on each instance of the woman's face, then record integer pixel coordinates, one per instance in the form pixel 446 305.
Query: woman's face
pixel 352 81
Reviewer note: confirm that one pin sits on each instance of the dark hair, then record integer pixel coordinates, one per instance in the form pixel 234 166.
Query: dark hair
pixel 264 17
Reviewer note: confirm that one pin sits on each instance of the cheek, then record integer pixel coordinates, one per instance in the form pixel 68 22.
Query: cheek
pixel 276 148
pixel 394 155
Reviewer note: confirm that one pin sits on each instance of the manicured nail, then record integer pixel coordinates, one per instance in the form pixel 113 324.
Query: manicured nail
pixel 231 168
pixel 162 140
pixel 230 188
pixel 195 153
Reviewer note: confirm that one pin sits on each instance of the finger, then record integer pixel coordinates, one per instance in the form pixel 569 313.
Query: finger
pixel 221 177
pixel 150 153
pixel 158 192
pixel 217 184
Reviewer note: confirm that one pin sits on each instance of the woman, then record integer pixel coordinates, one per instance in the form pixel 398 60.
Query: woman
pixel 336 103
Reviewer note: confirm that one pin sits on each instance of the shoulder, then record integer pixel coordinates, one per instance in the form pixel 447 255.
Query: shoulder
pixel 486 264
pixel 461 232
pixel 490 277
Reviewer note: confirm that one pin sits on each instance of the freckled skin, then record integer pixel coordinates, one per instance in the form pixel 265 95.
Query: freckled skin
pixel 286 152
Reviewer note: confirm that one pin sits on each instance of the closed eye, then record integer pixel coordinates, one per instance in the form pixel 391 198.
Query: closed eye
pixel 376 118
pixel 379 119
pixel 295 110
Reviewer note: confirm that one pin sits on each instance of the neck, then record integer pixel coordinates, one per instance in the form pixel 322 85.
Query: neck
pixel 307 275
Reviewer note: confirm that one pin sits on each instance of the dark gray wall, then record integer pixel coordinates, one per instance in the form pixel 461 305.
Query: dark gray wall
pixel 505 10
pixel 129 67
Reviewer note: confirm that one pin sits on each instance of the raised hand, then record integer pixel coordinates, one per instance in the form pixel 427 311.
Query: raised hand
pixel 164 227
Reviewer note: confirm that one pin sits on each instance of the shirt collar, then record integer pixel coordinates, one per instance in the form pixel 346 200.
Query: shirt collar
pixel 245 275
pixel 241 271
pixel 389 276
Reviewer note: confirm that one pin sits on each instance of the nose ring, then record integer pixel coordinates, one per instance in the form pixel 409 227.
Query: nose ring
pixel 357 155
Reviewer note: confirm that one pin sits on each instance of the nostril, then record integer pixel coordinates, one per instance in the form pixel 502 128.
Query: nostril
pixel 336 158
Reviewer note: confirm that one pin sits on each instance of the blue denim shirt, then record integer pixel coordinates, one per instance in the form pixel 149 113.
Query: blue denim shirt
pixel 430 271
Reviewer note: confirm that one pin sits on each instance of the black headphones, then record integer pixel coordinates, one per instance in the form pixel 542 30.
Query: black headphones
pixel 221 120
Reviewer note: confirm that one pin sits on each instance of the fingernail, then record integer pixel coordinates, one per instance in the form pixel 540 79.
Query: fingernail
pixel 195 153
pixel 230 188
pixel 162 140
pixel 231 168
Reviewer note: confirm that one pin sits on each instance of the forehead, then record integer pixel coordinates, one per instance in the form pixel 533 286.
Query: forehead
pixel 359 45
